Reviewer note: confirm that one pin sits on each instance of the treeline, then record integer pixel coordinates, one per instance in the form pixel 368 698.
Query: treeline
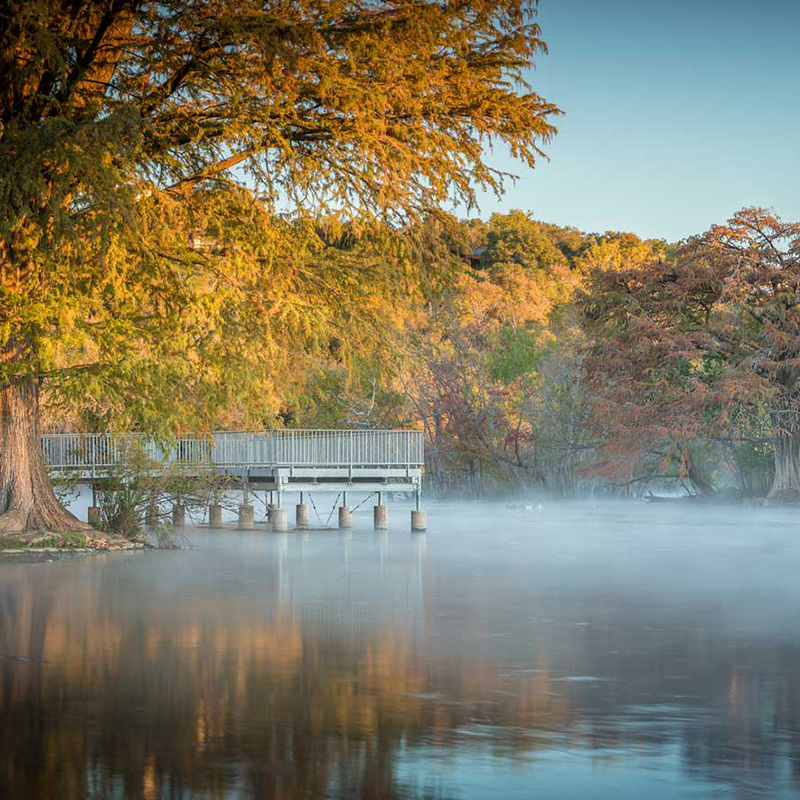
pixel 540 358
pixel 535 358
pixel 484 355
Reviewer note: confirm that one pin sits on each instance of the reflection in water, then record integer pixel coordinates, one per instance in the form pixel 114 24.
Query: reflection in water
pixel 589 651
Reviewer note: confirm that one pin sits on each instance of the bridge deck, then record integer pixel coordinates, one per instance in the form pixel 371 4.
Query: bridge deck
pixel 296 460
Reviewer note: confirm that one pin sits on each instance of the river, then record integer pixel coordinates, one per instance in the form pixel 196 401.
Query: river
pixel 581 650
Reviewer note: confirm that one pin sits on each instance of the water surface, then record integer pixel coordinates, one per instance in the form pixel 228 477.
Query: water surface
pixel 580 651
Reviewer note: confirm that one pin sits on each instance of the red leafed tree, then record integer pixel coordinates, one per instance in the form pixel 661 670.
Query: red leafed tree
pixel 682 344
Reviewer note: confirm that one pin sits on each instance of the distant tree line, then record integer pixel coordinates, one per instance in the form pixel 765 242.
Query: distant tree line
pixel 539 358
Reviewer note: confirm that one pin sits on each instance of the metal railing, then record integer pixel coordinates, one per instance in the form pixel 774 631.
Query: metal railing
pixel 278 448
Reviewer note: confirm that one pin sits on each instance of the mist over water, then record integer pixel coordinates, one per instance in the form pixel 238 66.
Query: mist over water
pixel 603 650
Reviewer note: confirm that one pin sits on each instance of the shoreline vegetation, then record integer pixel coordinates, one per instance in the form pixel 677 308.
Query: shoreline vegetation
pixel 551 363
pixel 10 546
pixel 201 200
pixel 67 542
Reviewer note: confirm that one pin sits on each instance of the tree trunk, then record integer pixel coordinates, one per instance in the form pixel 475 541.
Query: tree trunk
pixel 27 502
pixel 786 447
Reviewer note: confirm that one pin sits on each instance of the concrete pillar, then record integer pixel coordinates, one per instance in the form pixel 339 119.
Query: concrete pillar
pixel 178 515
pixel 94 516
pixel 280 519
pixel 246 516
pixel 270 509
pixel 215 515
pixel 380 517
pixel 419 520
pixel 345 517
pixel 303 517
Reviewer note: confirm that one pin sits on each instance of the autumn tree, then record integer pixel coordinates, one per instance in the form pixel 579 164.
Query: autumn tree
pixel 494 360
pixel 687 345
pixel 144 148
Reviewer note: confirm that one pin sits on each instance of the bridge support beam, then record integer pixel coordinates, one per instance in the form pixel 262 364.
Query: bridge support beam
pixel 178 515
pixel 214 515
pixel 280 520
pixel 303 517
pixel 380 517
pixel 345 517
pixel 246 516
pixel 93 516
pixel 419 520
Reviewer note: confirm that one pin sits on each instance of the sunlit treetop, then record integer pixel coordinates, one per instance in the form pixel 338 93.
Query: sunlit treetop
pixel 380 105
pixel 145 149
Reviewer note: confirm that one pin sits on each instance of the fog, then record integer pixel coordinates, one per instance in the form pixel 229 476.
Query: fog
pixel 603 650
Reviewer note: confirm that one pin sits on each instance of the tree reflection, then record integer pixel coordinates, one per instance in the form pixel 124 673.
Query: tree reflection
pixel 136 693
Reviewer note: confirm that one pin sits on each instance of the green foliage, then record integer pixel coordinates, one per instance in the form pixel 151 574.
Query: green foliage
pixel 754 467
pixel 337 398
pixel 516 353
pixel 65 539
pixel 66 488
pixel 490 365
pixel 518 238
pixel 134 496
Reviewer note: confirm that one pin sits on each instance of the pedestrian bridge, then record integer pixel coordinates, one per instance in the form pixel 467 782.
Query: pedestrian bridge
pixel 273 460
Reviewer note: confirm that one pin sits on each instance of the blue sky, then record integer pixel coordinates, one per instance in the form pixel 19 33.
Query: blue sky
pixel 678 113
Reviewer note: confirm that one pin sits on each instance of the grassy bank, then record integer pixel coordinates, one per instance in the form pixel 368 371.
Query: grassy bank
pixel 66 541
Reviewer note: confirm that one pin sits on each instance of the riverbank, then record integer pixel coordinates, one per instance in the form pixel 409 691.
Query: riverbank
pixel 12 544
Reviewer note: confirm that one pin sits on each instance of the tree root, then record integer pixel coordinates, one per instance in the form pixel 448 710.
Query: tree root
pixel 18 520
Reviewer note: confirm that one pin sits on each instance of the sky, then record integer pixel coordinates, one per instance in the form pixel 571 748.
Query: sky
pixel 678 113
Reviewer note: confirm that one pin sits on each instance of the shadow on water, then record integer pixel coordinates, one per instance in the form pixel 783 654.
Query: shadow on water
pixel 580 651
